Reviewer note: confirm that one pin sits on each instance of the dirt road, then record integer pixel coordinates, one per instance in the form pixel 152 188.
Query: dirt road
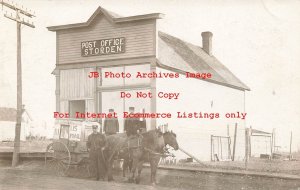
pixel 36 180
pixel 30 178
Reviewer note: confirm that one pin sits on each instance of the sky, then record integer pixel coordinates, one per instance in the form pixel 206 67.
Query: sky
pixel 258 40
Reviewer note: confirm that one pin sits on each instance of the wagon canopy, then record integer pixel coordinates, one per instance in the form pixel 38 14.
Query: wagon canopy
pixel 73 130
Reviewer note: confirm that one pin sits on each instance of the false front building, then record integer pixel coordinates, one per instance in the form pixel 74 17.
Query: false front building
pixel 114 62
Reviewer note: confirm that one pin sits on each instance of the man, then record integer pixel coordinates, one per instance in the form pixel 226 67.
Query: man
pixel 95 145
pixel 142 124
pixel 111 125
pixel 131 125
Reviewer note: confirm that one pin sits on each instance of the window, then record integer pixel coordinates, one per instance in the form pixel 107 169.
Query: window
pixel 134 70
pixel 115 80
pixel 64 132
pixel 112 100
pixel 125 75
pixel 140 104
pixel 111 76
pixel 76 106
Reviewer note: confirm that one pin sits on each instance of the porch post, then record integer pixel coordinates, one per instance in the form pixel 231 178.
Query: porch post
pixel 153 92
pixel 57 91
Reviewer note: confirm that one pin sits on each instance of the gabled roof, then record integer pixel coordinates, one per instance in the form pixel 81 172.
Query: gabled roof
pixel 112 17
pixel 193 59
pixel 10 114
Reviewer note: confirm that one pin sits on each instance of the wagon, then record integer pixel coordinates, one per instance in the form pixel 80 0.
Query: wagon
pixel 68 151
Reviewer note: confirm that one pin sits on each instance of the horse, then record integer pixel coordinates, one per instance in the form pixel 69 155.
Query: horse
pixel 152 150
pixel 114 144
pixel 127 162
pixel 117 147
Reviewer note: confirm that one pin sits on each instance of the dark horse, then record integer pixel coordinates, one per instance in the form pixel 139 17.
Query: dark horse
pixel 151 150
pixel 114 145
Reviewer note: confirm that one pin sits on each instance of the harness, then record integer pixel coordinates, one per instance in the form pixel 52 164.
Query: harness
pixel 117 148
pixel 165 154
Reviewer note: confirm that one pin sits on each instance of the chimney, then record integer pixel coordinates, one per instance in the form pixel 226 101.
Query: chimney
pixel 207 42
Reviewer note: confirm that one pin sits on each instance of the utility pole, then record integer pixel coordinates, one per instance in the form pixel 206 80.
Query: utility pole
pixel 234 142
pixel 247 133
pixel 19 11
pixel 229 142
pixel 290 157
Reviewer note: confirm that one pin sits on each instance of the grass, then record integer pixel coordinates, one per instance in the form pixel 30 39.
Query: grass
pixel 254 164
pixel 26 146
pixel 258 165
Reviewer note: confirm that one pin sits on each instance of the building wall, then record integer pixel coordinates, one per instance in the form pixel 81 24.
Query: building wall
pixel 7 131
pixel 196 95
pixel 139 37
pixel 76 85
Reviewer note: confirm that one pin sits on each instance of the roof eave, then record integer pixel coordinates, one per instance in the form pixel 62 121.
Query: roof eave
pixel 159 64
pixel 67 26
pixel 139 17
pixel 111 18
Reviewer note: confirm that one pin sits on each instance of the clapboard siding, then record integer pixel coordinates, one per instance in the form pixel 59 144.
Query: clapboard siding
pixel 75 84
pixel 133 38
pixel 64 106
pixel 148 44
pixel 139 37
pixel 89 107
pixel 193 134
pixel 133 49
pixel 108 32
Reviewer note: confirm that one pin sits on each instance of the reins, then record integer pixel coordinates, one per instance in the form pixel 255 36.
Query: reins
pixel 150 151
pixel 165 154
pixel 157 153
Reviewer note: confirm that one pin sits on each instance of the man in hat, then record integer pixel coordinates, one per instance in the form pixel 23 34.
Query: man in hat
pixel 142 123
pixel 95 145
pixel 111 125
pixel 131 125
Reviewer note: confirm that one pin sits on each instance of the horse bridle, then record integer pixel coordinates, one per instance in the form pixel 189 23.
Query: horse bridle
pixel 165 154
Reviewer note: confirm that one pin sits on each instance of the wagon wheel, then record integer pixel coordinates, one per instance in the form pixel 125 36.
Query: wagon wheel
pixel 83 169
pixel 57 158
